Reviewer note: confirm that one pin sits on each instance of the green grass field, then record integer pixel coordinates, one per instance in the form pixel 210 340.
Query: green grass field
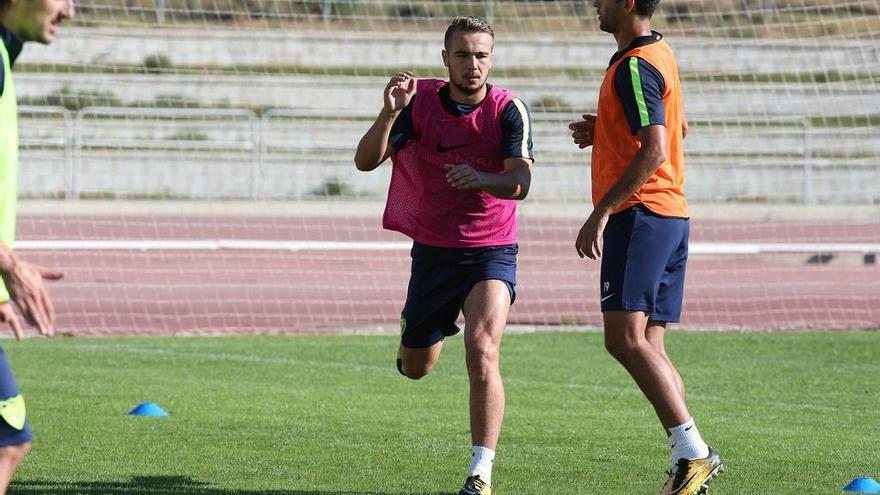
pixel 791 413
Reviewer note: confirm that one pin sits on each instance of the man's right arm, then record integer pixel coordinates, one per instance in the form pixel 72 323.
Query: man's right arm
pixel 373 148
pixel 24 284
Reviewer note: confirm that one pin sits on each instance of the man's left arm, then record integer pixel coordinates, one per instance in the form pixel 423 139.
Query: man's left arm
pixel 512 184
pixel 514 181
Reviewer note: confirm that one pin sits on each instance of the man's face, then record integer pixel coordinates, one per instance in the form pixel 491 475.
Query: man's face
pixel 40 20
pixel 610 14
pixel 469 59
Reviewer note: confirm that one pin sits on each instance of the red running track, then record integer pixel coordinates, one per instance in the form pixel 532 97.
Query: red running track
pixel 250 291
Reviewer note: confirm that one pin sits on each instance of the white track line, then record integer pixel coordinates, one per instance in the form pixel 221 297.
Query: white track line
pixel 210 245
pixel 266 245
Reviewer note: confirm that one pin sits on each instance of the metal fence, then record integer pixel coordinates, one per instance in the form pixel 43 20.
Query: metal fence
pixel 201 153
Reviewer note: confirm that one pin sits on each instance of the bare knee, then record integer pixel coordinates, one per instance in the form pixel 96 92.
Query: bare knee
pixel 622 347
pixel 414 372
pixel 615 347
pixel 13 454
pixel 625 334
pixel 482 355
pixel 658 345
pixel 416 362
pixel 414 369
pixel 655 333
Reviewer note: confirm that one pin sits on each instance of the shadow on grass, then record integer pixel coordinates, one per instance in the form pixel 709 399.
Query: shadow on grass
pixel 162 485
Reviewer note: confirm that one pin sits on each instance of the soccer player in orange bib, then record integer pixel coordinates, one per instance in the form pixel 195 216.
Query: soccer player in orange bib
pixel 639 226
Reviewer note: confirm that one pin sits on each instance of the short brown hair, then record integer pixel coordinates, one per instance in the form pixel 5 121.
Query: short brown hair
pixel 646 8
pixel 468 24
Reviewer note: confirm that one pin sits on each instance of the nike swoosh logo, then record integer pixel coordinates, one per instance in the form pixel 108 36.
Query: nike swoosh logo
pixel 444 149
pixel 687 482
pixel 606 297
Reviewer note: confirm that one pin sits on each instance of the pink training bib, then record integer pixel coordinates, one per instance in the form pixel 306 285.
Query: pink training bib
pixel 421 204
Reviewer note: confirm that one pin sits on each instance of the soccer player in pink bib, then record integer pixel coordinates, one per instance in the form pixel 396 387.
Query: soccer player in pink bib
pixel 462 155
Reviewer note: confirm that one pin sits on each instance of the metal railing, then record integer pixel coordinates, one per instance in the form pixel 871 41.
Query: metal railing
pixel 204 134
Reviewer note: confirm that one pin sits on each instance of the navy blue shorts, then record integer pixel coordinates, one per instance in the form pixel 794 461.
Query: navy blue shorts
pixel 9 389
pixel 643 263
pixel 441 279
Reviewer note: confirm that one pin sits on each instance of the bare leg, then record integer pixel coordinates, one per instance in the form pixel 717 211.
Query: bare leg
pixel 626 340
pixel 485 312
pixel 656 333
pixel 10 457
pixel 418 362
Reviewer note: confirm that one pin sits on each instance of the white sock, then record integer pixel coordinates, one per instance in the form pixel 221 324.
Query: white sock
pixel 686 442
pixel 481 463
